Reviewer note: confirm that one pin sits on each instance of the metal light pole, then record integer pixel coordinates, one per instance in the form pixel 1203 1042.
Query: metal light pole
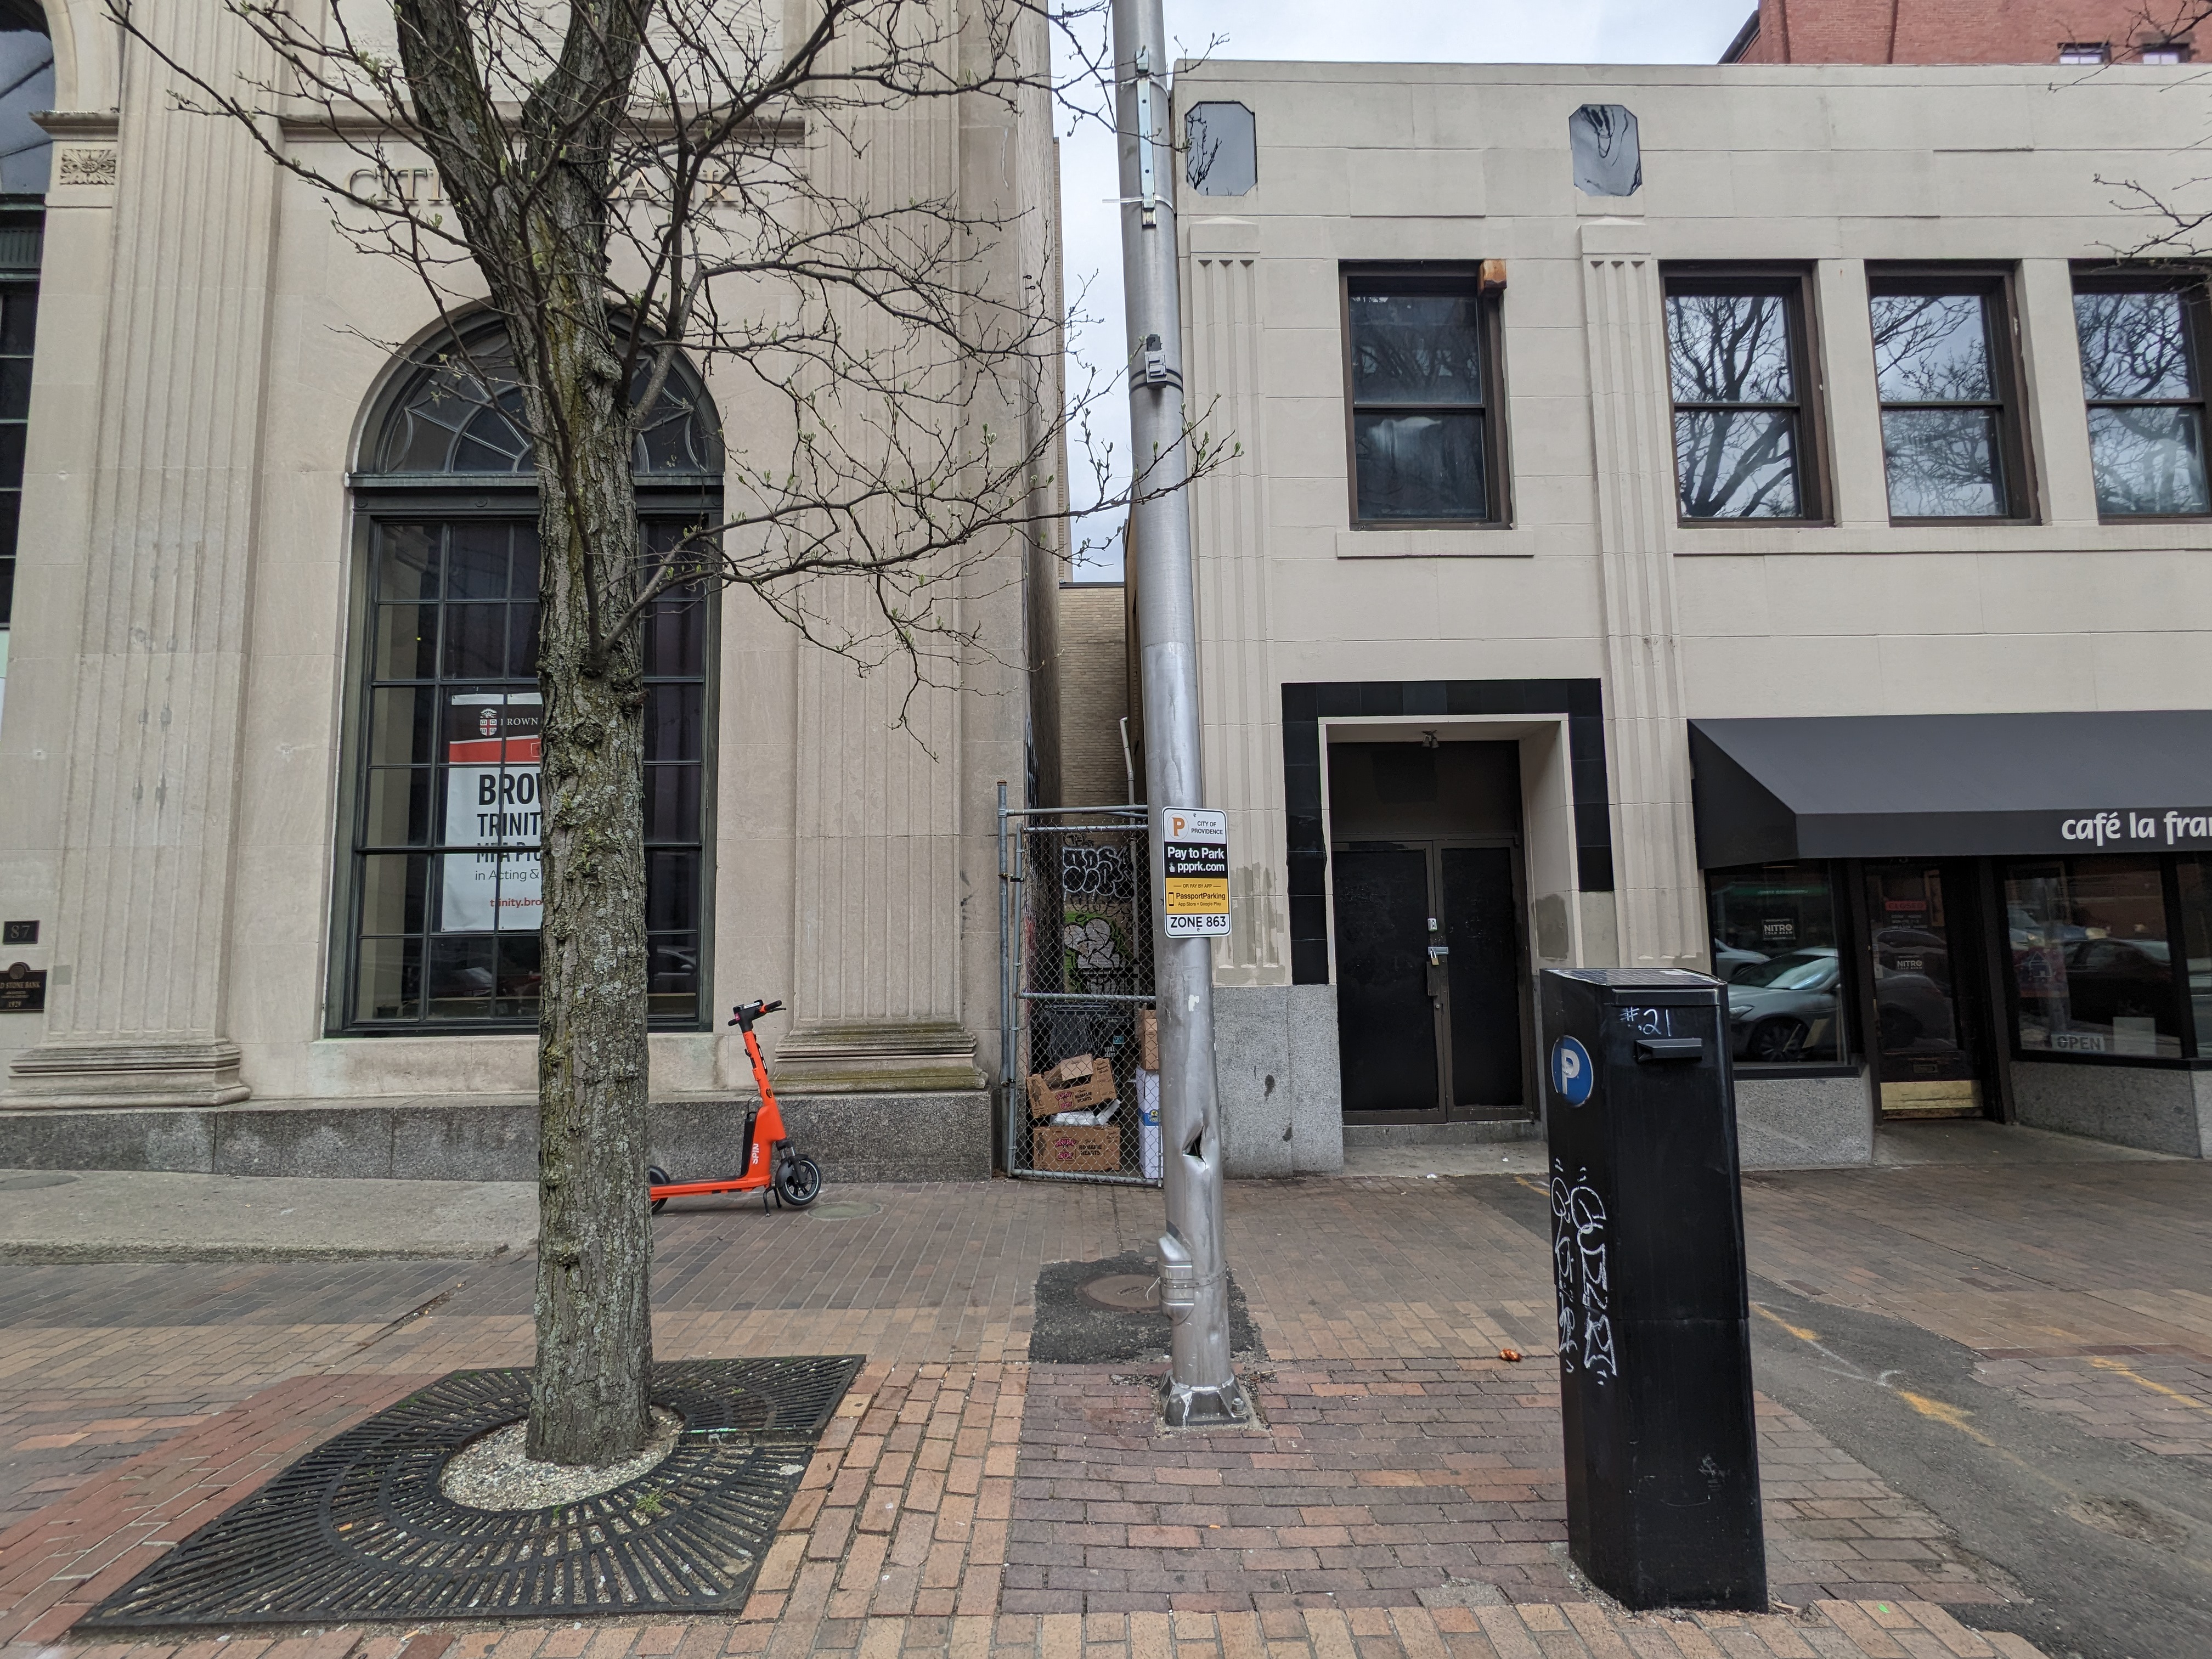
pixel 1201 1387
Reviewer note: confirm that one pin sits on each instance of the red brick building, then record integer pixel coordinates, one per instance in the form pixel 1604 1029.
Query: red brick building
pixel 1966 32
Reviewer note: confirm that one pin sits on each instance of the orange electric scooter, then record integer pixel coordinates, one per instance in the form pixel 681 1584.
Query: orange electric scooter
pixel 771 1164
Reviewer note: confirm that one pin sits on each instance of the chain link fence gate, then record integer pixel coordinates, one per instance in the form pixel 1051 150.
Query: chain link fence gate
pixel 1075 974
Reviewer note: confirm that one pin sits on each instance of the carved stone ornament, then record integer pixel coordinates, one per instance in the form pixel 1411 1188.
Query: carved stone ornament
pixel 85 164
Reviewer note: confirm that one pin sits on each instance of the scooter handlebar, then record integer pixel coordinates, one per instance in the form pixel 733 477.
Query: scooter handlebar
pixel 746 1012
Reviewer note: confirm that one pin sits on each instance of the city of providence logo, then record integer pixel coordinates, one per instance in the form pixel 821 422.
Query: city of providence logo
pixel 2169 828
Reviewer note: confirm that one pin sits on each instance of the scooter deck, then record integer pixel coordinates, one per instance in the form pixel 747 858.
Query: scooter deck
pixel 701 1188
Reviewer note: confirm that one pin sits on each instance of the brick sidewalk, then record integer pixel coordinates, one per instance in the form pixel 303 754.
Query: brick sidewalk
pixel 2159 1399
pixel 54 1566
pixel 101 1362
pixel 1404 1466
pixel 896 1546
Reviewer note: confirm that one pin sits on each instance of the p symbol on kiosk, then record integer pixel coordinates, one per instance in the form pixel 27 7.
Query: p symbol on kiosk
pixel 1571 1072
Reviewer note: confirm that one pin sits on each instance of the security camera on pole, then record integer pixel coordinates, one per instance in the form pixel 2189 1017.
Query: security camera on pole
pixel 1190 856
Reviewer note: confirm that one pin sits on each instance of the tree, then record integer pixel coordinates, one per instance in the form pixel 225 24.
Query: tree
pixel 623 180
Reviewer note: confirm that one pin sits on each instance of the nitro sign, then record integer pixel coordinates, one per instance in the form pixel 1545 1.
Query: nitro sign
pixel 1194 847
pixel 491 802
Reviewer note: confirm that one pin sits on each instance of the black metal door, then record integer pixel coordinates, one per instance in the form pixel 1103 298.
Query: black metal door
pixel 1481 926
pixel 1386 1019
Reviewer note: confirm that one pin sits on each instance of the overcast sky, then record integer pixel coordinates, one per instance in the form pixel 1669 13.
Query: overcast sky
pixel 1371 31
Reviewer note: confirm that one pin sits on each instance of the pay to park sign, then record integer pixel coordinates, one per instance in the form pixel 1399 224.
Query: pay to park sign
pixel 1195 846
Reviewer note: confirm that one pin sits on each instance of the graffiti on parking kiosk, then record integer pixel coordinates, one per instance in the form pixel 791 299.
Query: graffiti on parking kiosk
pixel 1579 1250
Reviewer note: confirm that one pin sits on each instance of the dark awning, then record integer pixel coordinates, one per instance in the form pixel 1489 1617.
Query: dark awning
pixel 1933 786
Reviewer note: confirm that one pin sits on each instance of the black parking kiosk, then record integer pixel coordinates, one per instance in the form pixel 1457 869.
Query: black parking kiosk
pixel 1647 1248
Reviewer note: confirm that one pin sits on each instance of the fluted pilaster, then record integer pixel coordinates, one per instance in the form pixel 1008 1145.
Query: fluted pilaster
pixel 878 929
pixel 1240 707
pixel 1657 884
pixel 146 865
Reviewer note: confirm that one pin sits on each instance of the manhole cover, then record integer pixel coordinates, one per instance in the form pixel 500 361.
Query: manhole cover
pixel 844 1210
pixel 1136 1293
pixel 359 1529
pixel 24 1181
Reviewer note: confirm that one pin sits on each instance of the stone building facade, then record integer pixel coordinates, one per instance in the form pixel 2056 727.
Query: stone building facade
pixel 194 805
pixel 1744 518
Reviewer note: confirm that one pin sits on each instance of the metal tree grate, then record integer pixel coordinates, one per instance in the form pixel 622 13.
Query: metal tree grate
pixel 1076 967
pixel 358 1529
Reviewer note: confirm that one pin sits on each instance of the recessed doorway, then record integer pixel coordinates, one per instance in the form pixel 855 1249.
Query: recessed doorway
pixel 1929 1036
pixel 1431 952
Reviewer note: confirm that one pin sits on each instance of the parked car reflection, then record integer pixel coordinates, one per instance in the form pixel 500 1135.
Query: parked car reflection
pixel 1784 1009
pixel 1913 951
pixel 2111 978
pixel 1912 1012
pixel 1730 960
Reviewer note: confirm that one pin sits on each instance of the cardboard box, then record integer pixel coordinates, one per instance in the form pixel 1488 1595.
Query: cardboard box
pixel 1047 1098
pixel 1074 1147
pixel 1148 1039
pixel 1076 1068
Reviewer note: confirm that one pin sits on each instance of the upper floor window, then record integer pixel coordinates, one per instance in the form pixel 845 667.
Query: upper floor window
pixel 2084 52
pixel 1945 367
pixel 2165 52
pixel 2142 371
pixel 1421 361
pixel 440 906
pixel 1737 357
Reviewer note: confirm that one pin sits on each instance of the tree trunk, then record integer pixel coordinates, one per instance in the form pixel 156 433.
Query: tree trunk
pixel 588 1400
pixel 533 203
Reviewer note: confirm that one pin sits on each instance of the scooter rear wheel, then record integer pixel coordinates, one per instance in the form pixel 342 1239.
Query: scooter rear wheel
pixel 799 1183
pixel 657 1177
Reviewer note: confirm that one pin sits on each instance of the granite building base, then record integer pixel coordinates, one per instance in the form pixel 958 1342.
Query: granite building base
pixel 1804 1122
pixel 1275 1059
pixel 2158 1109
pixel 908 1137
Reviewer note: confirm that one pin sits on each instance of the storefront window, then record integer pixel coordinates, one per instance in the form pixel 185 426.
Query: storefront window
pixel 1775 943
pixel 2091 964
pixel 2195 875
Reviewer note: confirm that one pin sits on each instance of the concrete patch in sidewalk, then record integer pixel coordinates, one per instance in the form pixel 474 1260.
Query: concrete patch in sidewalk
pixel 1105 1327
pixel 110 1215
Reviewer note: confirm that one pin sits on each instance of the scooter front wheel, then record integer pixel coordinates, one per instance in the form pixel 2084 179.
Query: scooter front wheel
pixel 799 1183
pixel 657 1177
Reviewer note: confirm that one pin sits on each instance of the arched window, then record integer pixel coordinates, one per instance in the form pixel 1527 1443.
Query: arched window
pixel 26 84
pixel 441 902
